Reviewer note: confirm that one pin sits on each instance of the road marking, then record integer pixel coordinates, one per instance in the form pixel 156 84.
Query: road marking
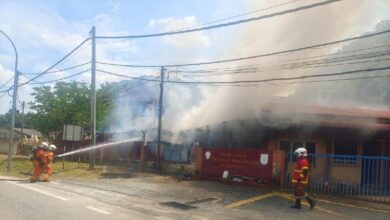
pixel 287 196
pixel 282 195
pixel 250 200
pixel 290 197
pixel 97 210
pixel 40 191
pixel 353 206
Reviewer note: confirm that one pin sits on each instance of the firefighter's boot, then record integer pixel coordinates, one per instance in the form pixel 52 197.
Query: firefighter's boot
pixel 297 204
pixel 311 202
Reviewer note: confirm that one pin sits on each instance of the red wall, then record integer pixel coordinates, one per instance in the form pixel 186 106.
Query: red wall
pixel 240 162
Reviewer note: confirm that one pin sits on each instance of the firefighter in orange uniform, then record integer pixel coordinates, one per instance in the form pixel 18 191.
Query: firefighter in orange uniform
pixel 301 179
pixel 38 159
pixel 49 157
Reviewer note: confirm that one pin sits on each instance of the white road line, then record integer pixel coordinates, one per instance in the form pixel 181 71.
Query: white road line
pixel 40 191
pixel 97 210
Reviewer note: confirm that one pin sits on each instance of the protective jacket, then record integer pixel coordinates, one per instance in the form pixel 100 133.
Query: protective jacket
pixel 38 161
pixel 301 171
pixel 49 160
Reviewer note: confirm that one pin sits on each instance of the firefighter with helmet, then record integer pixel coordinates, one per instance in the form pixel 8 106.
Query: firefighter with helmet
pixel 49 157
pixel 301 178
pixel 38 161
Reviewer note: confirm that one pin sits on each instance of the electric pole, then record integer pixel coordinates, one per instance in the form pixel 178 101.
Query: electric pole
pixel 14 95
pixel 93 100
pixel 160 112
pixel 22 119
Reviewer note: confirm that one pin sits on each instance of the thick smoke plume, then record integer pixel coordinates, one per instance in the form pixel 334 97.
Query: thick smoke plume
pixel 187 107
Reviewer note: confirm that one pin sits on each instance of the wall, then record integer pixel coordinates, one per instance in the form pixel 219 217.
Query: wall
pixel 319 165
pixel 4 144
pixel 4 141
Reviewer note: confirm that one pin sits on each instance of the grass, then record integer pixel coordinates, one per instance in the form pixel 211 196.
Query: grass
pixel 22 167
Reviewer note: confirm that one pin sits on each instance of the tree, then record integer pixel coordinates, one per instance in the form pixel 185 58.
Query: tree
pixel 58 106
pixel 5 119
pixel 67 103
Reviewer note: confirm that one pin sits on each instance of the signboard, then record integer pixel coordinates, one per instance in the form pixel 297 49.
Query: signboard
pixel 72 133
pixel 237 162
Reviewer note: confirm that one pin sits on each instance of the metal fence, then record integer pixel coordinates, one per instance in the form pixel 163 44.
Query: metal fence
pixel 362 177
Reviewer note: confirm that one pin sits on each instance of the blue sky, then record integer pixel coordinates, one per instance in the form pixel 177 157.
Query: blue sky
pixel 45 30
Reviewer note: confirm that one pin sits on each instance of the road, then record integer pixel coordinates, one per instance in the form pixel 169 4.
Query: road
pixel 158 197
pixel 24 200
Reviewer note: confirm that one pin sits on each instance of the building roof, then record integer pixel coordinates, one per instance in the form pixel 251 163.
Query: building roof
pixel 340 117
pixel 28 131
pixel 328 110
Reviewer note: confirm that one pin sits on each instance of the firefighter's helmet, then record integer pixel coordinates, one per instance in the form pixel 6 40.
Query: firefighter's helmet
pixel 301 152
pixel 44 145
pixel 52 147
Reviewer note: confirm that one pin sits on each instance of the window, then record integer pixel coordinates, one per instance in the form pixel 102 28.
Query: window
pixel 343 150
pixel 311 151
pixel 286 147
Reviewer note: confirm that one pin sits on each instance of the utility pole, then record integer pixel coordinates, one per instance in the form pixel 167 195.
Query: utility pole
pixel 14 95
pixel 93 99
pixel 160 112
pixel 22 119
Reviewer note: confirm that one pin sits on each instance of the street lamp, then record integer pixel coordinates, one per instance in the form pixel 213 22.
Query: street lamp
pixel 16 78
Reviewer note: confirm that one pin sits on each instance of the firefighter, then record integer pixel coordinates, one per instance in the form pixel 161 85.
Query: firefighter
pixel 49 157
pixel 301 179
pixel 38 159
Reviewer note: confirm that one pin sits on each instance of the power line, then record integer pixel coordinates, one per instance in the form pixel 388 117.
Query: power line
pixel 284 78
pixel 310 64
pixel 77 53
pixel 54 65
pixel 6 82
pixel 125 89
pixel 55 80
pixel 60 70
pixel 125 76
pixel 343 79
pixel 287 60
pixel 222 19
pixel 306 7
pixel 252 57
pixel 4 93
pixel 302 82
pixel 7 90
pixel 240 15
pixel 142 84
pixel 238 82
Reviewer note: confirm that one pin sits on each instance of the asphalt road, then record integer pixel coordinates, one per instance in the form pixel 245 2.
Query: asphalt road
pixel 21 200
pixel 158 197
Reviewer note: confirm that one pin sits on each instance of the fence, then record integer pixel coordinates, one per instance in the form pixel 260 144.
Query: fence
pixel 363 177
pixel 170 153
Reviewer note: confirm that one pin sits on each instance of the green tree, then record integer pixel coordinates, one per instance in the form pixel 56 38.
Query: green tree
pixel 67 103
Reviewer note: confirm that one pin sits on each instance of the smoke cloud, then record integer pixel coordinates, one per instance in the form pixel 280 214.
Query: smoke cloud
pixel 188 107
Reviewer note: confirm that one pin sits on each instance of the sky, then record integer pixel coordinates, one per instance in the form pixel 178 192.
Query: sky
pixel 45 30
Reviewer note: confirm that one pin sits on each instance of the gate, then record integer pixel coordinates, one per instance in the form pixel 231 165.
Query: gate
pixel 252 163
pixel 362 177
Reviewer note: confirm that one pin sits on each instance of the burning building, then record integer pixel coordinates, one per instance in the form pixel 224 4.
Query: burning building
pixel 347 146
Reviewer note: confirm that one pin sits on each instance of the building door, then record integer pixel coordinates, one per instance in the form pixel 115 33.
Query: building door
pixel 371 167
